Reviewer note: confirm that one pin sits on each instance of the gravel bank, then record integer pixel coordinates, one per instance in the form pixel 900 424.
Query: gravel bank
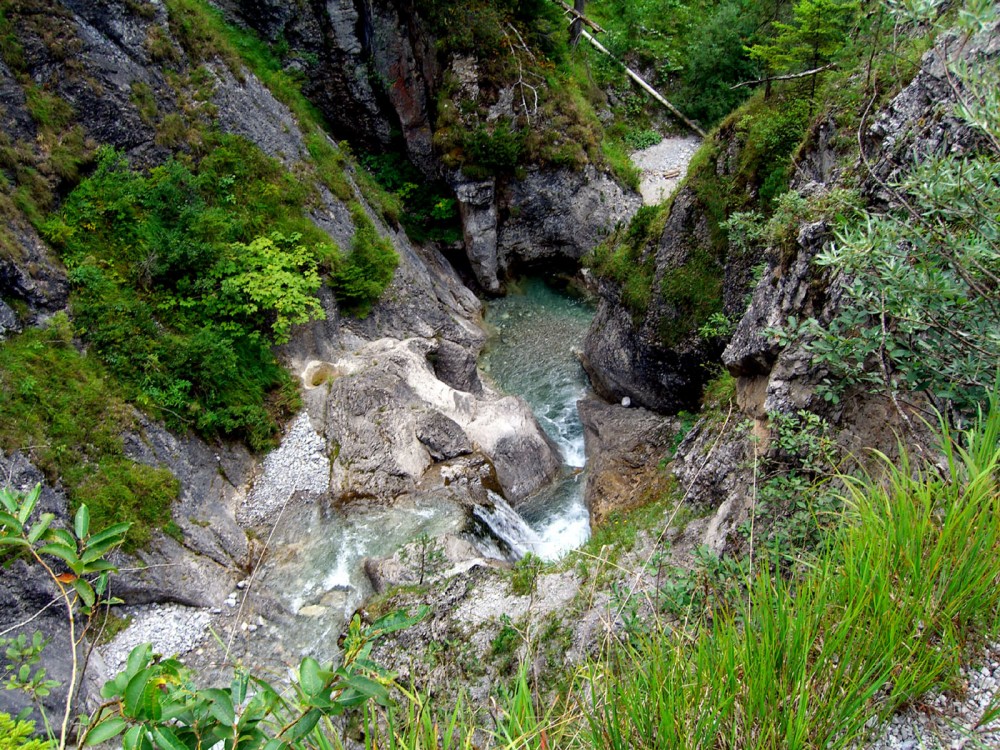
pixel 172 629
pixel 941 722
pixel 300 463
pixel 663 166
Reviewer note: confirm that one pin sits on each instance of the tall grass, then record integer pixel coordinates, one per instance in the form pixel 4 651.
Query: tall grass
pixel 885 615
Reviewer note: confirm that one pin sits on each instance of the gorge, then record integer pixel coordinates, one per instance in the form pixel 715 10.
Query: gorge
pixel 314 295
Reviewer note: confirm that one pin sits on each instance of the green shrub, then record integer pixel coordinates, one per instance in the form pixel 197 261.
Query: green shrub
pixel 183 279
pixel 496 150
pixel 628 257
pixel 359 278
pixel 17 735
pixel 427 211
pixel 694 292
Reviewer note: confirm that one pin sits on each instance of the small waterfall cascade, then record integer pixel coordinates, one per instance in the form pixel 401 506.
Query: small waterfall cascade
pixel 507 527
pixel 532 354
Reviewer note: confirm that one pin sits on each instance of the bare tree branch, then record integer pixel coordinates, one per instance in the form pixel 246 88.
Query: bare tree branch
pixel 789 77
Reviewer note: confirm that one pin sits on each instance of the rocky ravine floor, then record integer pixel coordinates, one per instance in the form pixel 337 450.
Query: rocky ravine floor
pixel 663 166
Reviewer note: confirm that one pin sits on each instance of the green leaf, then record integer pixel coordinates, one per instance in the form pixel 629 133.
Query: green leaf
pixel 368 688
pixel 133 738
pixel 64 553
pixel 40 528
pixel 12 524
pixel 398 620
pixel 106 730
pixel 166 739
pixel 276 744
pixel 310 676
pixel 305 725
pixel 238 688
pixel 30 500
pixel 81 524
pixel 85 590
pixel 137 659
pixel 64 537
pixel 115 531
pixel 134 690
pixel 221 706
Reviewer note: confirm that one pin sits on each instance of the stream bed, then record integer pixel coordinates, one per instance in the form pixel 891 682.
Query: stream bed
pixel 537 331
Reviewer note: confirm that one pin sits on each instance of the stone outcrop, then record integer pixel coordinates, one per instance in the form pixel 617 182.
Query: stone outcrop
pixel 391 419
pixel 376 75
pixel 626 356
pixel 770 378
pixel 626 452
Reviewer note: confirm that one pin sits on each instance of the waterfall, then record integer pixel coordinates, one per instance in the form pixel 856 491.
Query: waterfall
pixel 507 527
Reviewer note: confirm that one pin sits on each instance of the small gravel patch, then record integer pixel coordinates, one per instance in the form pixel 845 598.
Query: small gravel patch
pixel 300 463
pixel 945 722
pixel 663 166
pixel 173 630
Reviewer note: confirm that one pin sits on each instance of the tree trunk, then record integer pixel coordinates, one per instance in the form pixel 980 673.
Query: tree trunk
pixel 577 26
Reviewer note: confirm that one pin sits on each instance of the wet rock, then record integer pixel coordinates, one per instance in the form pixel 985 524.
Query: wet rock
pixel 442 437
pixel 477 207
pixel 455 365
pixel 559 214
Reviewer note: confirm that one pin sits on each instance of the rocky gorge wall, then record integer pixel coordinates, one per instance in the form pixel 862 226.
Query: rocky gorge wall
pixel 375 71
pixel 395 406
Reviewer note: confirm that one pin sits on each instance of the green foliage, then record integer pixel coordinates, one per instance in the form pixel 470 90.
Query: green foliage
pixel 360 277
pixel 817 32
pixel 920 311
pixel 427 211
pixel 494 149
pixel 715 59
pixel 639 139
pixel 182 279
pixel 878 619
pixel 628 257
pixel 66 414
pixel 693 290
pixel 770 135
pixel 19 735
pixel 524 577
pixel 200 32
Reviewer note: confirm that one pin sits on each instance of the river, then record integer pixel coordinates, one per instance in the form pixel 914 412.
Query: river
pixel 536 332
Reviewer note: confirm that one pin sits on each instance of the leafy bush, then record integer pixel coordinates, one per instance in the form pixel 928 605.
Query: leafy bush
pixel 17 735
pixel 495 150
pixel 920 308
pixel 360 277
pixel 427 211
pixel 183 279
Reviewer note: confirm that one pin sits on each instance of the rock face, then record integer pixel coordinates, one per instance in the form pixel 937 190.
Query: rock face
pixel 628 357
pixel 376 75
pixel 712 461
pixel 625 447
pixel 388 419
pixel 559 215
pixel 396 397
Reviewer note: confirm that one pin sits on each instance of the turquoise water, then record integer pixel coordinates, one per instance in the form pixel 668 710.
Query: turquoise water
pixel 536 332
